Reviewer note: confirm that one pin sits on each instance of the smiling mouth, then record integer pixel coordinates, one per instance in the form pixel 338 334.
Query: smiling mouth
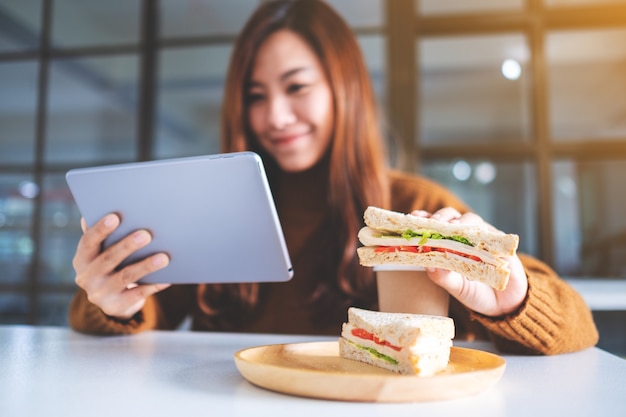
pixel 285 140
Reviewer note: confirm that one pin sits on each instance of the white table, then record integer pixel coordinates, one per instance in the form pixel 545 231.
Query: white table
pixel 46 371
pixel 602 294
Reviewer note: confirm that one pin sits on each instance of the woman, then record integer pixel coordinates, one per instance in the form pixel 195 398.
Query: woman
pixel 298 93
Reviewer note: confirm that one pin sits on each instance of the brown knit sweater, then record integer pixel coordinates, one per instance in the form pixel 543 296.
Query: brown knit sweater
pixel 553 319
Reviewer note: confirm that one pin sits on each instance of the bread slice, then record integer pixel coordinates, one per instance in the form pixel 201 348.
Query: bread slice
pixel 421 365
pixel 401 328
pixel 489 274
pixel 483 238
pixel 410 344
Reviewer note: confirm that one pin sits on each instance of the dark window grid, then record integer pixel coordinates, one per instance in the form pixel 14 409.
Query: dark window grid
pixel 148 49
pixel 542 152
pixel 38 174
pixel 535 21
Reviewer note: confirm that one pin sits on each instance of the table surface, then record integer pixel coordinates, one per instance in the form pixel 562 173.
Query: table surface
pixel 602 294
pixel 53 371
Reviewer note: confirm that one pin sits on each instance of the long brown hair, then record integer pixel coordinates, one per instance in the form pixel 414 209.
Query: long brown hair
pixel 357 155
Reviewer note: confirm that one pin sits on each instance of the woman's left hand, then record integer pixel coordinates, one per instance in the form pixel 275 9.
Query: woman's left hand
pixel 476 295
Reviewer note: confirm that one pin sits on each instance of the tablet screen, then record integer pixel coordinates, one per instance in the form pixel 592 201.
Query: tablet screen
pixel 213 215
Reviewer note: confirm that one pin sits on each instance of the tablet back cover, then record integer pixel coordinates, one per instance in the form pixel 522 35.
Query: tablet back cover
pixel 213 215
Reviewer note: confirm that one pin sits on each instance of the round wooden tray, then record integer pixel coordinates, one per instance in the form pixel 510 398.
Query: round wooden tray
pixel 316 370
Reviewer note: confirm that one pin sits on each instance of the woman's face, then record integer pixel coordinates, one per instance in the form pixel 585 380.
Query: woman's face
pixel 290 102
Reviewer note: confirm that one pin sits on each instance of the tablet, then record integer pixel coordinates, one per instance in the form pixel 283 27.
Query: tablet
pixel 213 215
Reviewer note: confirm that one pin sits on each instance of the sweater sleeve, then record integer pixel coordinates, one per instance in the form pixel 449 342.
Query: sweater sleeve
pixel 554 318
pixel 164 310
pixel 86 317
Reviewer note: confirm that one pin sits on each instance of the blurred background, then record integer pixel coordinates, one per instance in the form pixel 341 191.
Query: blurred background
pixel 518 106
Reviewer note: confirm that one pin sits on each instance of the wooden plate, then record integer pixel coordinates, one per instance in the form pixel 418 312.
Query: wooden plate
pixel 316 370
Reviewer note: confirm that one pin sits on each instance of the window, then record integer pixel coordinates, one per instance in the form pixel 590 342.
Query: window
pixel 587 87
pixel 468 94
pixel 517 106
pixel 75 78
pixel 502 192
pixel 189 99
pixel 442 7
pixel 18 79
pixel 91 114
pixel 529 95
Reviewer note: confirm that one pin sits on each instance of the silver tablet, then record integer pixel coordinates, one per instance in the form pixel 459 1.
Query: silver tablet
pixel 213 215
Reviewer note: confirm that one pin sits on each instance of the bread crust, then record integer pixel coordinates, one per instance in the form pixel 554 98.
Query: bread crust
pixel 401 329
pixel 483 238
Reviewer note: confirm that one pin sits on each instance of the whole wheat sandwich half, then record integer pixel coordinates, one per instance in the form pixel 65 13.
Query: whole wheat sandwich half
pixel 411 344
pixel 475 252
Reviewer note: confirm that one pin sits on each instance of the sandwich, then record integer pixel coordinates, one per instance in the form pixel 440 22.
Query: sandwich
pixel 476 252
pixel 410 344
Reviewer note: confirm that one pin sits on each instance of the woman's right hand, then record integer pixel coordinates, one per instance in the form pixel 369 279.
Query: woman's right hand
pixel 116 292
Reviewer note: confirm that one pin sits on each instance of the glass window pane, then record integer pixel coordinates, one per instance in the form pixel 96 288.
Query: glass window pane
pixel 504 194
pixel 434 7
pixel 586 84
pixel 16 209
pixel 374 52
pixel 590 226
pixel 561 3
pixel 60 231
pixel 20 25
pixel 95 22
pixel 92 110
pixel 181 18
pixel 13 308
pixel 474 89
pixel 360 13
pixel 18 105
pixel 190 97
pixel 52 309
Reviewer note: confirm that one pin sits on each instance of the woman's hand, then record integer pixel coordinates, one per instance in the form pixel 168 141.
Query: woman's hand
pixel 116 292
pixel 475 295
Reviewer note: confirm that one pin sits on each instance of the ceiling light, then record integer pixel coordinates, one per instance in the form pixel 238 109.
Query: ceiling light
pixel 461 170
pixel 511 69
pixel 485 172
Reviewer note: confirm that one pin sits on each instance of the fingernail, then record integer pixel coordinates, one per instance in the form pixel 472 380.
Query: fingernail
pixel 160 260
pixel 141 237
pixel 109 221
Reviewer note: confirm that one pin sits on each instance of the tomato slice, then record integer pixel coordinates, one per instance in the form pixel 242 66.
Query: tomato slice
pixel 389 249
pixel 424 249
pixel 364 334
